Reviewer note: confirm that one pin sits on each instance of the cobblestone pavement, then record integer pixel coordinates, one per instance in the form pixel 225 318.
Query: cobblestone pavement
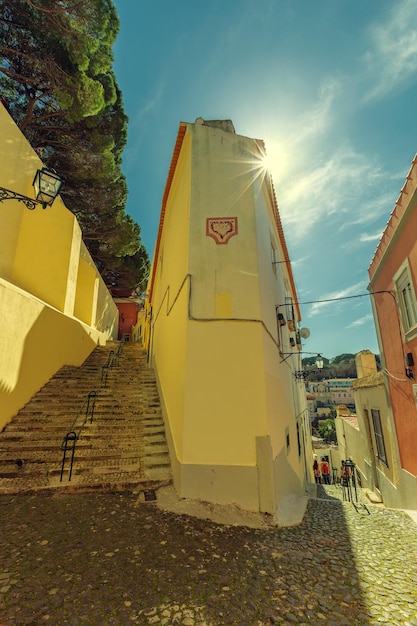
pixel 108 559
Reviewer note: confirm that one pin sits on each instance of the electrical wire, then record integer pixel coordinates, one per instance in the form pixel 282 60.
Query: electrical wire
pixel 390 375
pixel 358 295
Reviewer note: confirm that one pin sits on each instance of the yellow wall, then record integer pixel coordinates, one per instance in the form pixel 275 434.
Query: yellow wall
pixel 225 408
pixel 44 237
pixel 370 394
pixel 47 281
pixel 397 487
pixel 168 340
pixel 36 340
pixel 229 400
pixel 352 445
pixel 85 295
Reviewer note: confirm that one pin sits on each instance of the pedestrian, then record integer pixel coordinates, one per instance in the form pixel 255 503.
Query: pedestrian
pixel 344 475
pixel 325 470
pixel 316 470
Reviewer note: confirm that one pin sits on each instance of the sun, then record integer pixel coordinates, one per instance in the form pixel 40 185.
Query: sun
pixel 277 160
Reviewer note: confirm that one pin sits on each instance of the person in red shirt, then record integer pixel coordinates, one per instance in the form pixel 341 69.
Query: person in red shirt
pixel 325 471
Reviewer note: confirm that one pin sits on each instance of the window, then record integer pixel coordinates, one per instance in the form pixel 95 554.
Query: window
pixel 406 297
pixel 379 436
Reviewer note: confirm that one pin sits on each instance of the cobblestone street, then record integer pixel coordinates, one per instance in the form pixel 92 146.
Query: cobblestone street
pixel 108 559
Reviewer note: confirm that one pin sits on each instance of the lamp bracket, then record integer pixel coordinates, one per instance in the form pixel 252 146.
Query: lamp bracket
pixel 301 375
pixel 7 194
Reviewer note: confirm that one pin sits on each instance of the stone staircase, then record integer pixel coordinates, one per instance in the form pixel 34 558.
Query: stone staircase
pixel 122 448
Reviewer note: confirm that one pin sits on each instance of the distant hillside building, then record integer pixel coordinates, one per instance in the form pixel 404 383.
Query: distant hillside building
pixel 333 391
pixel 341 390
pixel 222 326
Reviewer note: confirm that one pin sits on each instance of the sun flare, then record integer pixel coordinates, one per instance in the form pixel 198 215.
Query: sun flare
pixel 277 160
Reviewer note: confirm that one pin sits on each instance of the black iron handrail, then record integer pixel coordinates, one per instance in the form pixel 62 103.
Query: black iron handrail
pixel 70 440
pixel 87 409
pixel 68 443
pixel 112 360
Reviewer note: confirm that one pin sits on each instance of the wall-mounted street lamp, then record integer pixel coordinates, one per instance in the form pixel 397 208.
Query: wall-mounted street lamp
pixel 319 362
pixel 47 186
pixel 302 374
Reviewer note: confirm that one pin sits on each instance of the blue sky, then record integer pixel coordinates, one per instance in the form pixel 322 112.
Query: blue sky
pixel 331 88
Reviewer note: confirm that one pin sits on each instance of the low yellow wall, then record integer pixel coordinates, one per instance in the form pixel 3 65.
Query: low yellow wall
pixel 54 305
pixel 36 340
pixel 43 252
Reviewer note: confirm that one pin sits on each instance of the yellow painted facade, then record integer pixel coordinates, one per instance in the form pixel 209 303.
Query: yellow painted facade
pixel 55 308
pixel 236 416
pixel 381 474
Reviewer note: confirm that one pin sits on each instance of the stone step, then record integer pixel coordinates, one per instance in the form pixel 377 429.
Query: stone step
pixel 124 447
pixel 134 469
pixel 135 439
pixel 27 417
pixel 137 482
pixel 104 394
pixel 55 456
pixel 27 462
pixel 103 430
pixel 125 440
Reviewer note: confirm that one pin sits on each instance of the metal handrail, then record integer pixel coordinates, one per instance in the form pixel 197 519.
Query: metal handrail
pixel 70 440
pixel 72 435
pixel 112 359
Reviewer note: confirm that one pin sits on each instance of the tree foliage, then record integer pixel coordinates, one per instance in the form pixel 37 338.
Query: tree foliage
pixel 342 366
pixel 56 76
pixel 343 358
pixel 327 430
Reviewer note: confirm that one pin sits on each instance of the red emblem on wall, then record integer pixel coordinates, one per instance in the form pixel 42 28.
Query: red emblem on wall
pixel 221 229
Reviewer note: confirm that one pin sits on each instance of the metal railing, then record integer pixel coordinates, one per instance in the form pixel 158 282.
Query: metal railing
pixel 70 440
pixel 112 360
pixel 87 410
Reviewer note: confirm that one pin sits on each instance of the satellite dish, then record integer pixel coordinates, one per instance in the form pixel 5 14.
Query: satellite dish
pixel 304 333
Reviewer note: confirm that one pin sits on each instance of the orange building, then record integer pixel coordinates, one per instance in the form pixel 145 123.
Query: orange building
pixel 393 281
pixel 128 315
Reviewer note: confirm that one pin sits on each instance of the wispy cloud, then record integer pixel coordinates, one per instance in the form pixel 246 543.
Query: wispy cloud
pixel 301 130
pixel 151 104
pixel 392 61
pixel 353 291
pixel 361 321
pixel 317 117
pixel 373 237
pixel 299 262
pixel 338 187
pixel 139 123
pixel 374 207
